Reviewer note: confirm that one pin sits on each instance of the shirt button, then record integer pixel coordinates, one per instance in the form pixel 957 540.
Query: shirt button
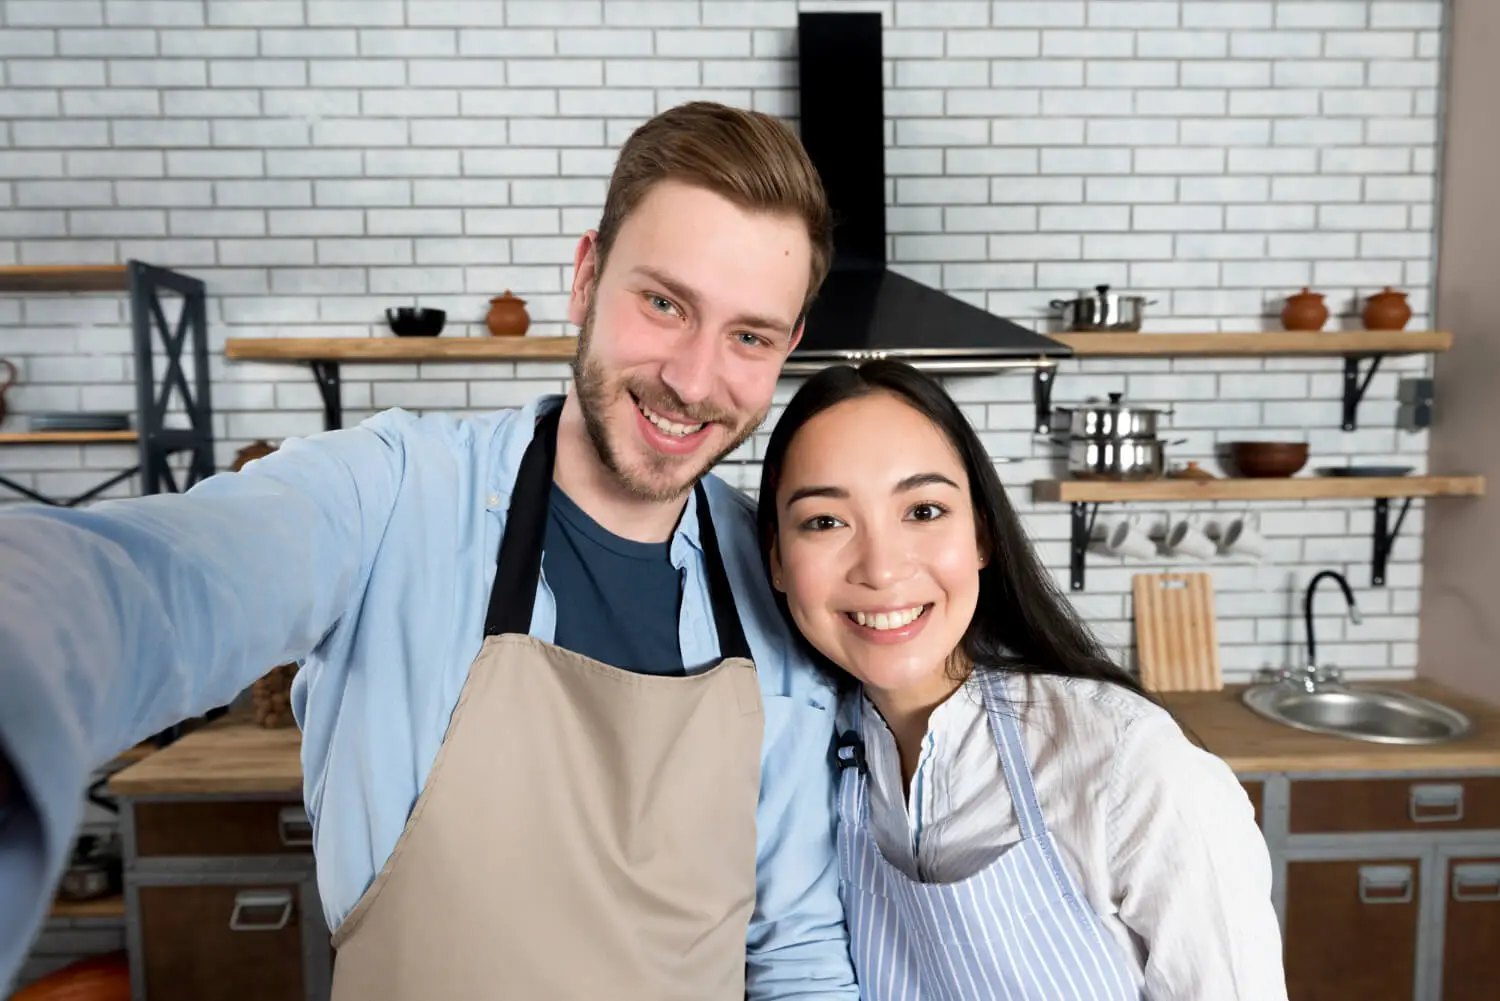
pixel 494 498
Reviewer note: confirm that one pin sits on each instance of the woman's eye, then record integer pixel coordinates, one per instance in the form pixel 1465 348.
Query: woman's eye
pixel 820 523
pixel 928 512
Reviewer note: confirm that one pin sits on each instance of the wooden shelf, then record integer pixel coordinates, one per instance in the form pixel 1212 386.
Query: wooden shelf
pixel 65 278
pixel 1291 488
pixel 68 437
pixel 104 907
pixel 397 349
pixel 375 349
pixel 1271 342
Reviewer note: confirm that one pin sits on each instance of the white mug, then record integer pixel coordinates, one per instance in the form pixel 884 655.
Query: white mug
pixel 1187 539
pixel 1127 538
pixel 1243 538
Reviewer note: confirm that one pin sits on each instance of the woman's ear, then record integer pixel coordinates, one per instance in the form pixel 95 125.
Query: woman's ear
pixel 776 565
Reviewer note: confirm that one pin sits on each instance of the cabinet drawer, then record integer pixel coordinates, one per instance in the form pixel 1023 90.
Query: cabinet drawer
pixel 1365 805
pixel 236 941
pixel 222 827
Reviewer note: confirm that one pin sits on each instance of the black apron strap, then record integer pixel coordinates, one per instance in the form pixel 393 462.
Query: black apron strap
pixel 732 641
pixel 518 567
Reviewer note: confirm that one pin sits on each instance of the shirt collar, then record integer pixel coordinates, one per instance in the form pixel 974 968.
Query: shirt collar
pixel 517 433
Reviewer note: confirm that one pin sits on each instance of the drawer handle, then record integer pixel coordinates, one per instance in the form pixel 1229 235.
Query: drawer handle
pixel 1476 881
pixel 294 827
pixel 1436 804
pixel 253 900
pixel 1385 884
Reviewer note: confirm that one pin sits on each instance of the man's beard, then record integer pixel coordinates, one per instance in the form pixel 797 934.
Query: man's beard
pixel 595 393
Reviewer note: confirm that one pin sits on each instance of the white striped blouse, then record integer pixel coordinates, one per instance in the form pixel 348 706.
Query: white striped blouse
pixel 1158 833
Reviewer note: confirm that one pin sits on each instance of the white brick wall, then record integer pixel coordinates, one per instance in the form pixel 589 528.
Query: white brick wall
pixel 315 162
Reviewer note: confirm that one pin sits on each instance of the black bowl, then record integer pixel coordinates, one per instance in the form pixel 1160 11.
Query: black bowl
pixel 409 322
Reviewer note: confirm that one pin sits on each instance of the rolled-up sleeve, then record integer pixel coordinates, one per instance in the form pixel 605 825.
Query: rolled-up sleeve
pixel 120 619
pixel 798 943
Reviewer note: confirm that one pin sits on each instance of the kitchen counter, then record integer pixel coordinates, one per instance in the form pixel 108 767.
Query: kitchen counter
pixel 230 755
pixel 1250 743
pixel 233 755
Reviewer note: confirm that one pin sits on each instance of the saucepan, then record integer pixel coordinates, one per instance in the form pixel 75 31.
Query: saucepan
pixel 1103 310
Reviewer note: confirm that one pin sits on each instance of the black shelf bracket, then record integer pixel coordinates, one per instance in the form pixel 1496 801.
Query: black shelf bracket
pixel 87 495
pixel 1082 534
pixel 331 388
pixel 1354 386
pixel 1385 537
pixel 1042 380
pixel 148 321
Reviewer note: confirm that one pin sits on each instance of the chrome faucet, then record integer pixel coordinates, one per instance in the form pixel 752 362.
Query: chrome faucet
pixel 1312 675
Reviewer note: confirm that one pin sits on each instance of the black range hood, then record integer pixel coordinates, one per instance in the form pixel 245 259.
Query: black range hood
pixel 864 310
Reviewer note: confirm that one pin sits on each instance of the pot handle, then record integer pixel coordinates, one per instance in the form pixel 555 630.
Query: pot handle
pixel 12 374
pixel 1178 441
pixel 1151 302
pixel 1059 304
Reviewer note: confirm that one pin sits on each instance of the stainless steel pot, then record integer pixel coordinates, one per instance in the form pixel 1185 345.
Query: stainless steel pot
pixel 1103 310
pixel 1110 422
pixel 1122 459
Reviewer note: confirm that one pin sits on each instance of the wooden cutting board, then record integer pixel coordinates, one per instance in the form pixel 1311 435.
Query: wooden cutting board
pixel 1176 634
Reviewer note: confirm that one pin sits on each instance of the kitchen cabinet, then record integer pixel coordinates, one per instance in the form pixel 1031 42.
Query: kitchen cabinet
pixel 1471 928
pixel 1351 929
pixel 1385 858
pixel 220 882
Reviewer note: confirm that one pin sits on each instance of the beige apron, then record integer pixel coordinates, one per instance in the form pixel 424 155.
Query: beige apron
pixel 586 832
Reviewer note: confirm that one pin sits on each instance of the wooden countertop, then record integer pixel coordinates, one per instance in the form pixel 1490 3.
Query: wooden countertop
pixel 230 755
pixel 233 755
pixel 1250 743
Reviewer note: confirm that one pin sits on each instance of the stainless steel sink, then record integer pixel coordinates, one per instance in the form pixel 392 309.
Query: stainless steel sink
pixel 1327 706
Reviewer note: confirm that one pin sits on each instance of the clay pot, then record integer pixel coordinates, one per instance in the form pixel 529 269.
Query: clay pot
pixel 251 452
pixel 10 376
pixel 1386 310
pixel 1304 311
pixel 507 317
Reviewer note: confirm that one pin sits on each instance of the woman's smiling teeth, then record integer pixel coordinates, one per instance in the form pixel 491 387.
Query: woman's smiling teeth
pixel 888 620
pixel 666 426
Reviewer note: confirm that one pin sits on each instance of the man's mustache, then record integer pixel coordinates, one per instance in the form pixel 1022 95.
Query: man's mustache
pixel 661 399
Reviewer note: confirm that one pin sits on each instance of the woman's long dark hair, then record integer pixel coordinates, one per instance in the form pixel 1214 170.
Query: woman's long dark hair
pixel 1022 623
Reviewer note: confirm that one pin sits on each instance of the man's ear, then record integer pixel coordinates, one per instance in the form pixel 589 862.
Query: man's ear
pixel 585 278
pixel 797 333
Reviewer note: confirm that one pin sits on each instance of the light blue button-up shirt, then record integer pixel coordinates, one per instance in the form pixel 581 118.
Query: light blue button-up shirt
pixel 368 555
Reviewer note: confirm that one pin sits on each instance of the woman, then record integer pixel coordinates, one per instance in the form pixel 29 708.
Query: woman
pixel 1017 818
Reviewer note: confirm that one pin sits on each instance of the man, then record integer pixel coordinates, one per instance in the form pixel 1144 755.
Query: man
pixel 556 742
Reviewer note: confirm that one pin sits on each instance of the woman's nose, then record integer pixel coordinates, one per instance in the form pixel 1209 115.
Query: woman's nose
pixel 880 560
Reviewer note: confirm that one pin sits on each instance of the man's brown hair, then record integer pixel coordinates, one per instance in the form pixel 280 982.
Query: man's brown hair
pixel 746 157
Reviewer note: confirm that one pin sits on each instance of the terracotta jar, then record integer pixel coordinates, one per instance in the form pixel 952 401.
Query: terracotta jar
pixel 1387 310
pixel 8 376
pixel 507 317
pixel 1304 311
pixel 251 452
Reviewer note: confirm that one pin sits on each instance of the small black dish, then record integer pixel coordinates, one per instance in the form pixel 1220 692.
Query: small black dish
pixel 407 321
pixel 1365 470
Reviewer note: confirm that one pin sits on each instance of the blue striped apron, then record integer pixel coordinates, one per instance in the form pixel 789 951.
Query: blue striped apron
pixel 1019 929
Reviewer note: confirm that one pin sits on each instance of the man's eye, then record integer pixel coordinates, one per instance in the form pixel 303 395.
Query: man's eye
pixel 661 304
pixel 751 340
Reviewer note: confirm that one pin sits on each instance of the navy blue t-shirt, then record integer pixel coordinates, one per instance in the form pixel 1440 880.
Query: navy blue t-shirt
pixel 617 600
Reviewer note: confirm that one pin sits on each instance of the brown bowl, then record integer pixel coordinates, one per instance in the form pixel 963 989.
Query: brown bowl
pixel 1267 458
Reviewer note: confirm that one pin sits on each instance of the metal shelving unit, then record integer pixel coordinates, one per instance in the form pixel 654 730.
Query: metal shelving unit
pixel 185 342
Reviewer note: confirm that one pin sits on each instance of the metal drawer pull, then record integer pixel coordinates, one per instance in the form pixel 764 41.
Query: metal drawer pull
pixel 294 827
pixel 1436 804
pixel 252 900
pixel 1476 881
pixel 1385 884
